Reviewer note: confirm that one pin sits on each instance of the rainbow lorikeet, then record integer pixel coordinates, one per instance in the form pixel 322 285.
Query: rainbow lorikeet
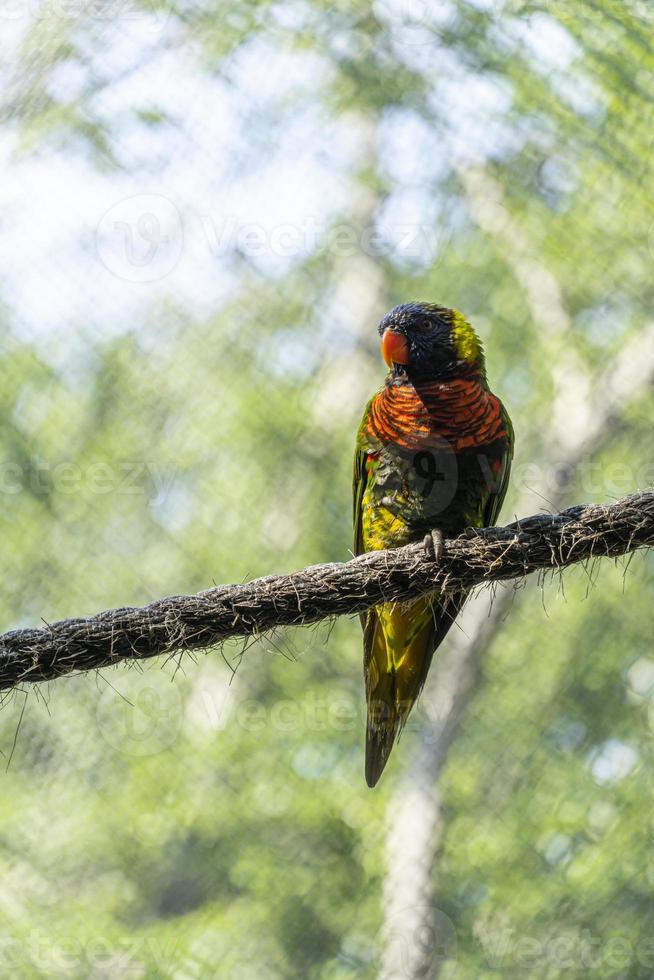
pixel 433 457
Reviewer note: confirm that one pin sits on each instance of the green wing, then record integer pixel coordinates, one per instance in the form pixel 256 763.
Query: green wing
pixel 496 499
pixel 359 478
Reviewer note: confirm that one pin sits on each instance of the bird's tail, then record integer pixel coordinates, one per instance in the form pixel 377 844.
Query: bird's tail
pixel 399 643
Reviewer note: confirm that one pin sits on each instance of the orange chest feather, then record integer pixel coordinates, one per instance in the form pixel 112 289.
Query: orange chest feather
pixel 463 413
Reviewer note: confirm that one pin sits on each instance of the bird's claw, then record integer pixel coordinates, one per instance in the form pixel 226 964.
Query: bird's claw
pixel 433 545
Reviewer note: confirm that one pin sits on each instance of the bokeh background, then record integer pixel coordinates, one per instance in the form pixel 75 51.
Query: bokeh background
pixel 204 210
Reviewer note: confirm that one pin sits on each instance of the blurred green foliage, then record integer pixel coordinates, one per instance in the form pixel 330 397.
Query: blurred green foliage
pixel 208 816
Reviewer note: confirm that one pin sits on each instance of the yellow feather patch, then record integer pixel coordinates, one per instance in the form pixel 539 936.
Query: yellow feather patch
pixel 467 343
pixel 381 527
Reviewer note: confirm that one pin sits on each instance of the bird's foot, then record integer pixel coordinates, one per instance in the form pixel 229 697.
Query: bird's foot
pixel 433 545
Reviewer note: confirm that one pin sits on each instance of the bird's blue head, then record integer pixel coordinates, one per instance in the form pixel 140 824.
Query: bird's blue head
pixel 426 341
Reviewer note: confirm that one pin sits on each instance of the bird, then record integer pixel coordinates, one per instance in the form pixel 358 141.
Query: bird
pixel 432 459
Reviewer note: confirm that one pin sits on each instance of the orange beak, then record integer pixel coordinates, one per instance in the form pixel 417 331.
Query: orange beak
pixel 395 347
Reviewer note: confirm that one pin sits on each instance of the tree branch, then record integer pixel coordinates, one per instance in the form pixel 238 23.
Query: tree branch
pixel 180 623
